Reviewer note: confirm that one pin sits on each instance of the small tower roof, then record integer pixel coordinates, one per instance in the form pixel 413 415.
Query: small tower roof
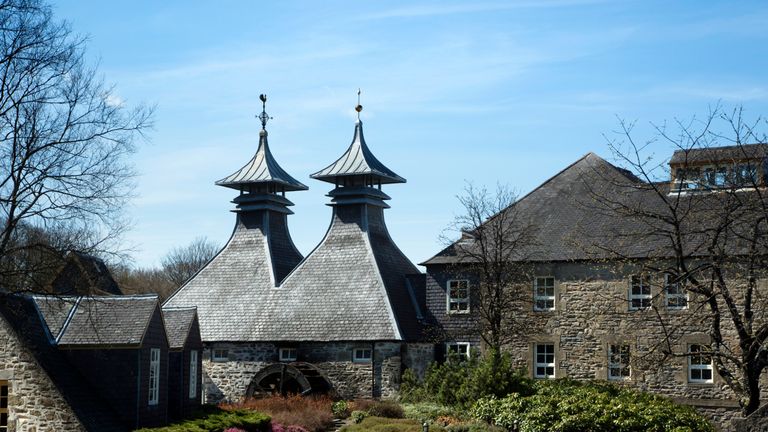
pixel 358 161
pixel 262 168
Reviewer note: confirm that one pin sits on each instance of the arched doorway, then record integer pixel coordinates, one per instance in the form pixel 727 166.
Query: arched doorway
pixel 293 378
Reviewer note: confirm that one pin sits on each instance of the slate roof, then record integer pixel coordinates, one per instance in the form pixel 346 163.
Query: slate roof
pixel 97 321
pixel 726 154
pixel 261 169
pixel 86 402
pixel 357 160
pixel 230 292
pixel 178 323
pixel 590 211
pixel 94 276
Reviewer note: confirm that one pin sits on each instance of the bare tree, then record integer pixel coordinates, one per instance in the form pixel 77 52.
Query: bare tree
pixel 704 222
pixel 182 263
pixel 64 141
pixel 494 250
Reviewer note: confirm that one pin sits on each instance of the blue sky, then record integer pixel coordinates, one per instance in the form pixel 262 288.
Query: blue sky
pixel 487 92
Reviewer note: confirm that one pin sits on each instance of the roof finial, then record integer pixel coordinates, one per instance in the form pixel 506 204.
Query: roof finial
pixel 263 116
pixel 359 107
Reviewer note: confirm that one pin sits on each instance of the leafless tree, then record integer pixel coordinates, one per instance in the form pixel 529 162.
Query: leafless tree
pixel 64 141
pixel 493 251
pixel 143 281
pixel 182 263
pixel 706 229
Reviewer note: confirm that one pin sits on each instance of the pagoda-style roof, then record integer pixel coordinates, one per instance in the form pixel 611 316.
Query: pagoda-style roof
pixel 358 161
pixel 262 169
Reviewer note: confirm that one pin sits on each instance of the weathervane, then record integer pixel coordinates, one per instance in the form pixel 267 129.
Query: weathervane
pixel 359 107
pixel 263 116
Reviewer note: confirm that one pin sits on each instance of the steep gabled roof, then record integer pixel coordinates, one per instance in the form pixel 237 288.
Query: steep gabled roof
pixel 261 169
pixel 568 226
pixel 97 321
pixel 178 323
pixel 84 274
pixel 357 160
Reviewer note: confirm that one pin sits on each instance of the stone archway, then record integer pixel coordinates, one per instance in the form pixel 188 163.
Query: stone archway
pixel 284 378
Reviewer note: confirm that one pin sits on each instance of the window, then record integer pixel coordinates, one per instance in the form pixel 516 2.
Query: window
pixel 460 349
pixel 154 376
pixel 677 298
pixel 618 362
pixel 544 293
pixel 361 355
pixel 220 354
pixel 544 361
pixel 699 365
pixel 640 292
pixel 716 177
pixel 746 175
pixel 458 296
pixel 3 406
pixel 192 374
pixel 288 354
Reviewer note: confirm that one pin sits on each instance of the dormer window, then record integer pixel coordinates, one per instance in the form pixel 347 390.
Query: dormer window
pixel 716 176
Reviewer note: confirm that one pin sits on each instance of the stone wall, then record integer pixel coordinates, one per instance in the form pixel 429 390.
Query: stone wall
pixel 34 402
pixel 418 356
pixel 229 380
pixel 592 312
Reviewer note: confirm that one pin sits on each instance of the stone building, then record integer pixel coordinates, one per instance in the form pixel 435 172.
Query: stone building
pixel 345 319
pixel 592 307
pixel 98 363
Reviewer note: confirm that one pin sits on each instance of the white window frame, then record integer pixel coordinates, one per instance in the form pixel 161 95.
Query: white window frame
pixel 544 364
pixel 644 282
pixel 696 362
pixel 537 297
pixel 192 374
pixel 154 376
pixel 460 348
pixel 458 301
pixel 359 355
pixel 619 358
pixel 288 354
pixel 219 354
pixel 680 294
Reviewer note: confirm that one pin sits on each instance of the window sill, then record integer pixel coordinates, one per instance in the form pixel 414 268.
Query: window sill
pixel 466 312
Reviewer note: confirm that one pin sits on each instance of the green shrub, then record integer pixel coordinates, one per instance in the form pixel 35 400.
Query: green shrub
pixel 429 411
pixel 217 420
pixel 461 382
pixel 358 416
pixel 340 409
pixel 570 406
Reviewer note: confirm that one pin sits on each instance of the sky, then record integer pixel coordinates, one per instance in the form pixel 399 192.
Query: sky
pixel 488 92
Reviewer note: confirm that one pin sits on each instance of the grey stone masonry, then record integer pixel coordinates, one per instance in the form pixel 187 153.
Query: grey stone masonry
pixel 34 402
pixel 227 378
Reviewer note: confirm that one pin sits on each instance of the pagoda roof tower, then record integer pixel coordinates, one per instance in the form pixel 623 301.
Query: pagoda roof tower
pixel 230 289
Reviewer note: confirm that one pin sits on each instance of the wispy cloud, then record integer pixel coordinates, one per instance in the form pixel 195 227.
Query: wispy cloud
pixel 437 9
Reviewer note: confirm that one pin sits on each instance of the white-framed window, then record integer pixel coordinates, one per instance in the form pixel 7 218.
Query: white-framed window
pixel 457 294
pixel 220 354
pixel 192 374
pixel 676 295
pixel 362 355
pixel 544 361
pixel 618 362
pixel 640 292
pixel 699 365
pixel 154 376
pixel 543 293
pixel 457 348
pixel 288 354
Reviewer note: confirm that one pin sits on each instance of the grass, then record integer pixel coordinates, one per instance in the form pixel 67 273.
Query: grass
pixel 381 424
